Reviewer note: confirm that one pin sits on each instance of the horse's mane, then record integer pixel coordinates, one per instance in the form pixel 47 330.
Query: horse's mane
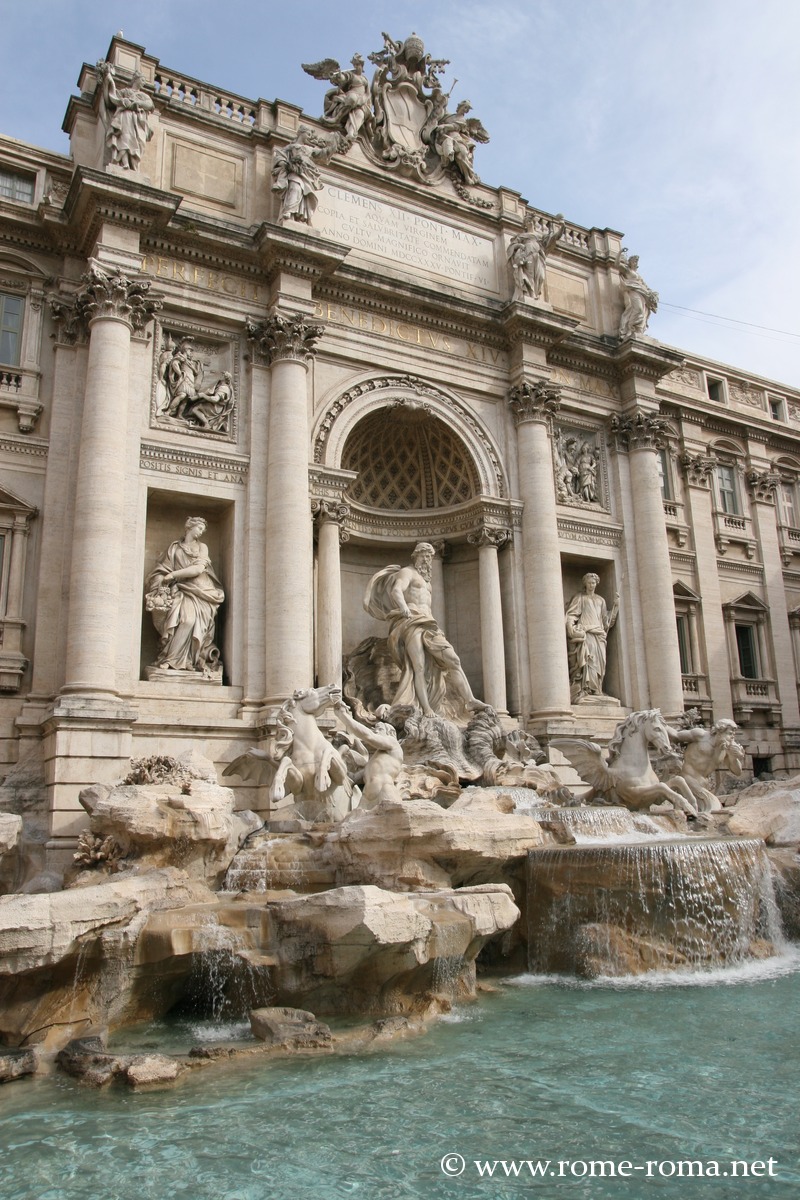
pixel 631 724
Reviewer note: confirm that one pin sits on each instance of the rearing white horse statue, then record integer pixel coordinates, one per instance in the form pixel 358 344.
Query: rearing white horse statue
pixel 628 774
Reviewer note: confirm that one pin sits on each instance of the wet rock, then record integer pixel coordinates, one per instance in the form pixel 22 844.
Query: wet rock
pixel 786 872
pixel 148 1070
pixel 86 1060
pixel 184 819
pixel 290 1028
pixel 605 949
pixel 767 810
pixel 16 1064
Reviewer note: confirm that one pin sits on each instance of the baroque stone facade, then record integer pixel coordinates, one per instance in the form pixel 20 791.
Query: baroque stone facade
pixel 330 341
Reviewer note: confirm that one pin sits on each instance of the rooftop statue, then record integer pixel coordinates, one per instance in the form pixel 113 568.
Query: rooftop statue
pixel 527 255
pixel 432 678
pixel 297 177
pixel 640 300
pixel 453 137
pixel 347 105
pixel 125 113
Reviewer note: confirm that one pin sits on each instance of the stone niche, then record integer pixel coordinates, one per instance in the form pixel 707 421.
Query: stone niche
pixel 166 518
pixel 572 572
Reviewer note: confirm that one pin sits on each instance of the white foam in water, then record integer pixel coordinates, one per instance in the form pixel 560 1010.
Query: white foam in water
pixel 754 971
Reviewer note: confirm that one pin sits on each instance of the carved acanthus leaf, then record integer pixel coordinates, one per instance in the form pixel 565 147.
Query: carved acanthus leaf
pixel 763 485
pixel 104 293
pixel 284 335
pixel 489 536
pixel 698 468
pixel 642 431
pixel 535 401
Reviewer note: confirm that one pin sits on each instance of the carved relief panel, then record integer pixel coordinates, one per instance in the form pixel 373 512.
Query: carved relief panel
pixel 195 382
pixel 579 467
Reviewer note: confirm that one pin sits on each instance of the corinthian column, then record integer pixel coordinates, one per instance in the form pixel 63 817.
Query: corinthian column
pixel 329 516
pixel 111 305
pixel 493 657
pixel 287 342
pixel 533 406
pixel 641 436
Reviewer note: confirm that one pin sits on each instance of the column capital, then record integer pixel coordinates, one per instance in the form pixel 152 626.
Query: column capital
pixel 104 294
pixel 698 468
pixel 489 536
pixel 763 485
pixel 538 401
pixel 284 335
pixel 639 430
pixel 330 512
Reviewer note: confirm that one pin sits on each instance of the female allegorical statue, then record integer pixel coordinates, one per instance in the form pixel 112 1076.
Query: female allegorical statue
pixel 183 594
pixel 588 622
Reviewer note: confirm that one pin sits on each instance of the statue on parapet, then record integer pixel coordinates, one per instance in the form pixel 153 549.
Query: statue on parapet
pixel 706 751
pixel 640 300
pixel 432 678
pixel 527 256
pixel 125 113
pixel 347 105
pixel 296 175
pixel 453 135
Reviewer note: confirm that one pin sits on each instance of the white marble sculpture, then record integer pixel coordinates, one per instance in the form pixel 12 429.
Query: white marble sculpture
pixel 640 300
pixel 576 462
pixel 347 104
pixel 125 113
pixel 385 760
pixel 432 678
pixel 588 621
pixel 453 137
pixel 180 371
pixel 297 177
pixel 183 595
pixel 706 751
pixel 527 256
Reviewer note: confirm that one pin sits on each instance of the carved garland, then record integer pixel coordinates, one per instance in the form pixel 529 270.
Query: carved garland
pixel 420 388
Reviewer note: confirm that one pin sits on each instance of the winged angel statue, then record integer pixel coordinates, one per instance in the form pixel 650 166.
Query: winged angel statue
pixel 347 105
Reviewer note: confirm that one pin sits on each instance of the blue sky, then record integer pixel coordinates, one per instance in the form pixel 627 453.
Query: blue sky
pixel 673 121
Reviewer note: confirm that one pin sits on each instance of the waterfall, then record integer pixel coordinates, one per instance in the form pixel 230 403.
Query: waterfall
pixel 620 909
pixel 599 824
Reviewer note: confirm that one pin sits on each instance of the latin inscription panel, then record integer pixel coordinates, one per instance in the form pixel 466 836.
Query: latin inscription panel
pixel 382 230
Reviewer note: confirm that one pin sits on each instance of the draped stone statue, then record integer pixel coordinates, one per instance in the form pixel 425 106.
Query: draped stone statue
pixel 125 113
pixel 588 621
pixel 640 300
pixel 183 595
pixel 527 256
pixel 432 677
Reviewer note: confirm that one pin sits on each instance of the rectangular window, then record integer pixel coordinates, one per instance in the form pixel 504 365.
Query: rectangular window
pixel 10 328
pixel 17 187
pixel 726 484
pixel 663 471
pixel 684 644
pixel 788 505
pixel 748 655
pixel 777 408
pixel 715 389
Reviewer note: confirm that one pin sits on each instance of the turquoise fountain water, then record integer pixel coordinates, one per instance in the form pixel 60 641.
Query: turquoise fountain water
pixel 673 1067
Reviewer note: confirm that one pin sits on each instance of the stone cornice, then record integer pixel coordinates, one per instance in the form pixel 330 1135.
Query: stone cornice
pixel 534 325
pixel 583 529
pixel 297 253
pixel 96 197
pixel 643 358
pixel 432 525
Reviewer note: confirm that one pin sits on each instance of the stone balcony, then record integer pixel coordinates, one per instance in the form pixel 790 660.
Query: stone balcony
pixel 755 696
pixel 730 527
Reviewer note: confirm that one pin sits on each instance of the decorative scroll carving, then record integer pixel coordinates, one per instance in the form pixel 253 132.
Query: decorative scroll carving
pixel 489 536
pixel 640 432
pixel 125 114
pixel 685 376
pixel 699 469
pixel 284 336
pixel 330 512
pixel 763 485
pixel 537 401
pixel 640 300
pixel 740 393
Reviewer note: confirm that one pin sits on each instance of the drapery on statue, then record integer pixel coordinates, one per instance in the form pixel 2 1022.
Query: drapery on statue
pixel 588 622
pixel 347 104
pixel 183 595
pixel 640 300
pixel 125 115
pixel 432 676
pixel 454 135
pixel 527 255
pixel 705 751
pixel 297 176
